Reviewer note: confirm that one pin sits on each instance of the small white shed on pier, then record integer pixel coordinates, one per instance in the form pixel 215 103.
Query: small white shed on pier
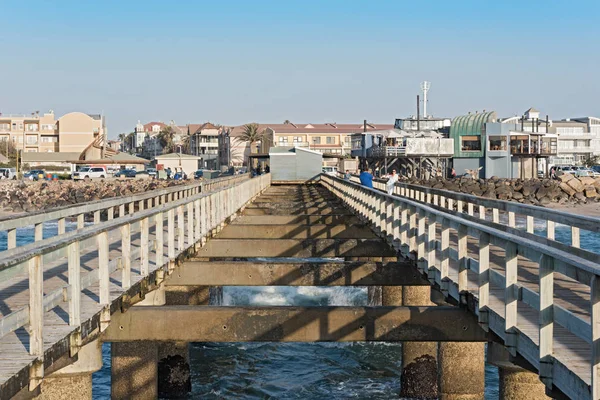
pixel 294 164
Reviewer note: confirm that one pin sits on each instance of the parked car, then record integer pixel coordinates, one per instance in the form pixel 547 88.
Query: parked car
pixel 34 174
pixel 584 172
pixel 90 173
pixel 596 170
pixel 198 174
pixel 151 172
pixel 330 171
pixel 126 173
pixel 8 173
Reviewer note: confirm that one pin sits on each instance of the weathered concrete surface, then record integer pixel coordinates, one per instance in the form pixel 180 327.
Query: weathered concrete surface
pixel 188 295
pixel 291 204
pixel 520 384
pixel 297 219
pixel 249 273
pixel 297 211
pixel 134 368
pixel 419 359
pixel 461 368
pixel 174 379
pixel 296 248
pixel 75 380
pixel 296 231
pixel 294 324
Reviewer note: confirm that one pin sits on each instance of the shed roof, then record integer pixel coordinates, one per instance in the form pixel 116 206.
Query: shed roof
pixel 176 156
pixel 470 124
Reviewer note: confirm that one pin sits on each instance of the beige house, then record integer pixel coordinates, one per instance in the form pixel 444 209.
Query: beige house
pixel 74 132
pixel 176 161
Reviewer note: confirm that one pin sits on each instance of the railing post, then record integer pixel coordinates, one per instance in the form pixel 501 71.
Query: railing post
pixel 462 263
pixel 445 251
pixel 131 207
pixel 96 217
pixel 595 324
pixel 38 232
pixel 546 288
pixel 126 255
pixel 511 219
pixel 144 233
pixel 405 226
pixel 36 307
pixel 413 229
pixel 61 226
pixel 11 241
pixel 111 213
pixel 421 240
pixel 484 279
pixel 550 229
pixel 121 210
pixel 530 224
pixel 103 274
pixel 511 297
pixel 482 212
pixel 74 279
pixel 495 215
pixel 171 234
pixel 159 239
pixel 197 222
pixel 180 228
pixel 80 221
pixel 575 237
pixel 190 223
pixel 470 209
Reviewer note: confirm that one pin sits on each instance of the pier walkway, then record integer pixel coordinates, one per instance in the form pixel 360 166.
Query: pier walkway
pixel 498 282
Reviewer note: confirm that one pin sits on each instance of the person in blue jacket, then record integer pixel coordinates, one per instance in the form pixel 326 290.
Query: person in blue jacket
pixel 366 178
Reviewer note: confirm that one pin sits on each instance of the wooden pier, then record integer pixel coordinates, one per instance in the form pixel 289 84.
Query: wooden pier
pixel 441 273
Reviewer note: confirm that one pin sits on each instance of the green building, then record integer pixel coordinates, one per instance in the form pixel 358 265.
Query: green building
pixel 468 132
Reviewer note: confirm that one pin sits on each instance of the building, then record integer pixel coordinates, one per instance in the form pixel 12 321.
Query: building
pixel 145 138
pixel 578 140
pixel 204 143
pixel 188 163
pixel 73 132
pixel 294 164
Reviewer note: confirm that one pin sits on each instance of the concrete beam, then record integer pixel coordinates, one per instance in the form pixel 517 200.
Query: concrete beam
pixel 288 203
pixel 296 231
pixel 294 324
pixel 242 273
pixel 297 211
pixel 296 248
pixel 297 219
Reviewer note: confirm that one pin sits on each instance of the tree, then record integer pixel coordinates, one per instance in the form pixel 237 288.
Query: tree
pixel 251 134
pixel 590 161
pixel 130 140
pixel 122 138
pixel 166 138
pixel 287 122
pixel 186 145
pixel 9 150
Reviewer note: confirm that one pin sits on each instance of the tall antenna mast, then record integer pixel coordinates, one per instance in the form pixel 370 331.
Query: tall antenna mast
pixel 425 88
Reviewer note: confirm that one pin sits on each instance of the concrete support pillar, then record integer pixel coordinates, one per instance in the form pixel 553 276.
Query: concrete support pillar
pixel 461 371
pixel 516 382
pixel 521 384
pixel 419 359
pixel 75 380
pixel 134 364
pixel 134 370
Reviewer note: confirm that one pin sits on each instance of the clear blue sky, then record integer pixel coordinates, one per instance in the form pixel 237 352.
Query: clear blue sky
pixel 233 62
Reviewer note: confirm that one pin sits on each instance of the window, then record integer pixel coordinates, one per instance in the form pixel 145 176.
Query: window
pixel 347 141
pixel 330 140
pixel 5 126
pixel 31 139
pixel 32 127
pixel 470 143
pixel 297 139
pixel 48 127
pixel 14 126
pixel 317 140
pixel 519 145
pixel 497 143
pixel 49 139
pixel 283 140
pixel 357 144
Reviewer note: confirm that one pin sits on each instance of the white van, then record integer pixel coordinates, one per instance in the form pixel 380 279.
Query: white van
pixel 8 173
pixel 90 173
pixel 330 171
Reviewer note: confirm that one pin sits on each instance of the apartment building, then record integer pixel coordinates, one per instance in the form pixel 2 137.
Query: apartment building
pixel 204 143
pixel 35 133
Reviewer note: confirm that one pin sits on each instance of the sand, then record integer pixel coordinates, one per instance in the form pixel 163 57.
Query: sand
pixel 589 209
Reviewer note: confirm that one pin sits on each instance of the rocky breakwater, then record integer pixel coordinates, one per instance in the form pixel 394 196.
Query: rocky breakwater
pixel 564 190
pixel 23 196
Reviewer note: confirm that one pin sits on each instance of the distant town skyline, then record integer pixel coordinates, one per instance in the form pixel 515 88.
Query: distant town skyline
pixel 309 62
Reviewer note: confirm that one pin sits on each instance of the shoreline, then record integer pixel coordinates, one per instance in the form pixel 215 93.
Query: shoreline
pixel 588 210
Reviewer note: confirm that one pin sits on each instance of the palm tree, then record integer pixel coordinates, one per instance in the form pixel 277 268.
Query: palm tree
pixel 186 145
pixel 122 137
pixel 166 139
pixel 287 122
pixel 251 135
pixel 130 138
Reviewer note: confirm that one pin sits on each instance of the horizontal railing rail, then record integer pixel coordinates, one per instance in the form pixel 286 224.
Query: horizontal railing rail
pixel 481 206
pixel 123 205
pixel 194 217
pixel 422 231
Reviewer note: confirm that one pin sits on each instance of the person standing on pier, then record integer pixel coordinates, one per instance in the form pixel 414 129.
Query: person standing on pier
pixel 391 183
pixel 366 178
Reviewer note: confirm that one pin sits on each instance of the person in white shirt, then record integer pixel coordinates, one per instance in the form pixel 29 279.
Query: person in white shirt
pixel 392 182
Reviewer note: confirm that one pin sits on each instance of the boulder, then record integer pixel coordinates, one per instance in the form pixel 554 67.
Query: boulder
pixel 567 188
pixel 587 180
pixel 576 185
pixel 590 191
pixel 565 177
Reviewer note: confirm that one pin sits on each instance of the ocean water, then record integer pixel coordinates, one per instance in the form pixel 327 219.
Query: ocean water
pixel 295 370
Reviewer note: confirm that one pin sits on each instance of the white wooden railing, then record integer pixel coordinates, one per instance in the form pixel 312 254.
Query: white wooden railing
pixel 120 206
pixel 413 228
pixel 196 214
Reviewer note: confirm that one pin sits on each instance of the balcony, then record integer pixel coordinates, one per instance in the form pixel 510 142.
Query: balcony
pixel 388 151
